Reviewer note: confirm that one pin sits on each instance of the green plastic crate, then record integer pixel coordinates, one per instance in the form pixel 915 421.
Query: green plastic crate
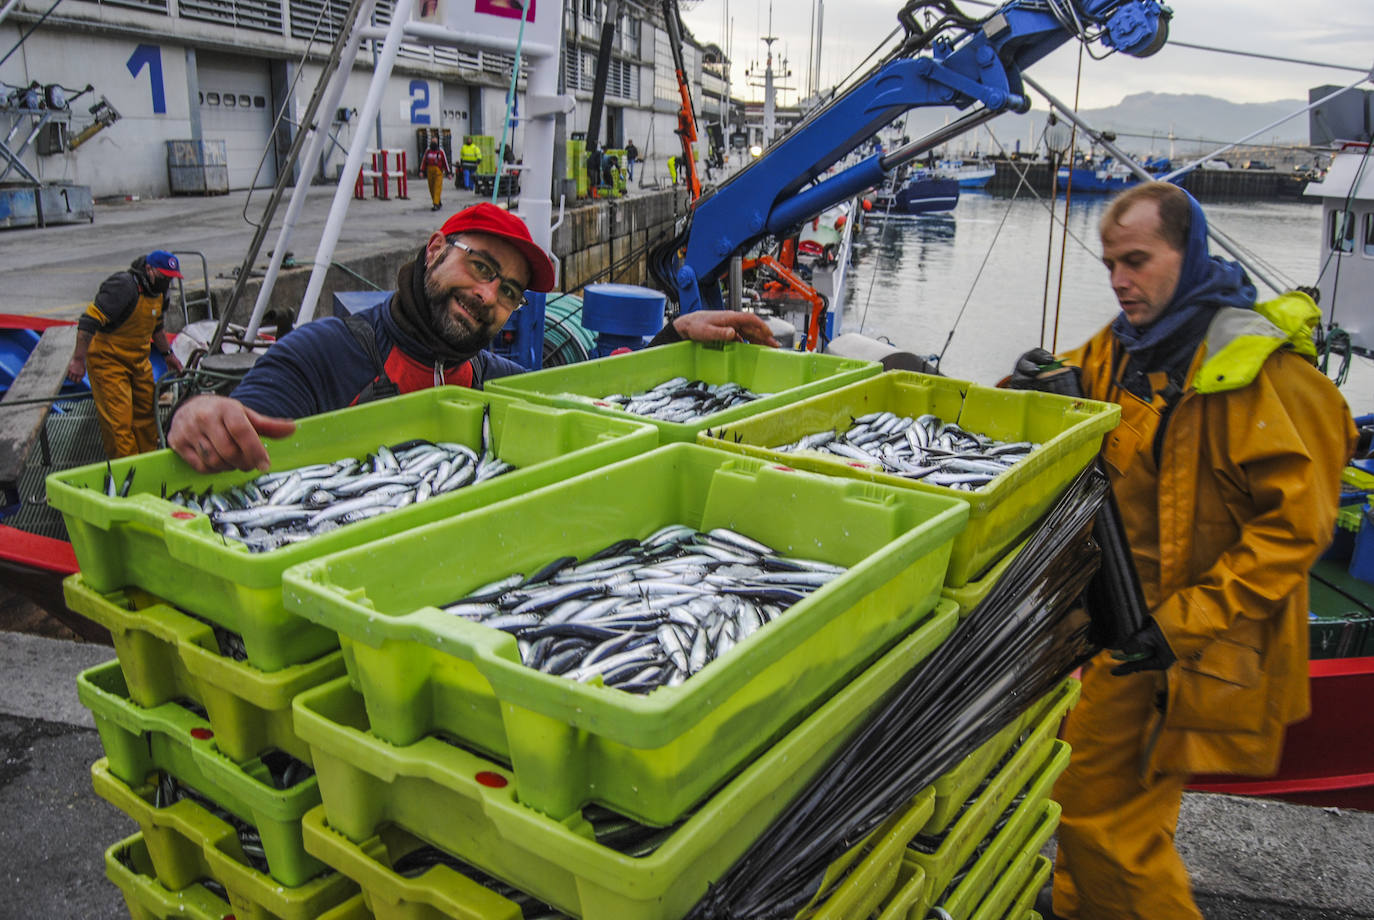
pixel 970 595
pixel 355 908
pixel 438 893
pixel 470 806
pixel 1028 765
pixel 185 842
pixel 173 739
pixel 650 757
pixel 166 655
pixel 1000 896
pixel 911 896
pixel 146 541
pixel 1043 717
pixel 1069 431
pixel 1017 889
pixel 851 890
pixel 1029 827
pixel 128 865
pixel 786 375
pixel 443 891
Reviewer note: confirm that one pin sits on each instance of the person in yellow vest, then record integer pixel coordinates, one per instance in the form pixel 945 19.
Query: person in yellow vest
pixel 1226 468
pixel 112 339
pixel 469 157
pixel 672 168
pixel 434 167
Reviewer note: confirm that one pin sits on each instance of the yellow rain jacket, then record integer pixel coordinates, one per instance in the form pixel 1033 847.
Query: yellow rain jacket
pixel 1227 499
pixel 124 318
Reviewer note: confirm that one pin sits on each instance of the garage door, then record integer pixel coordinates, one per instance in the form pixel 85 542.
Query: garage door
pixel 236 107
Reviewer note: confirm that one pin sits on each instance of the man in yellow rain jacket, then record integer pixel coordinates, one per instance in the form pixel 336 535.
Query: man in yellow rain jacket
pixel 1226 467
pixel 469 158
pixel 112 339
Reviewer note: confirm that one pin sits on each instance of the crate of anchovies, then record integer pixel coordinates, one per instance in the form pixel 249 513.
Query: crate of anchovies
pixel 1007 453
pixel 216 545
pixel 685 387
pixel 635 634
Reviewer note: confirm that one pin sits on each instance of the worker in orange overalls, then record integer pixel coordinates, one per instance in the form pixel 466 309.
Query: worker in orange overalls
pixel 434 166
pixel 112 339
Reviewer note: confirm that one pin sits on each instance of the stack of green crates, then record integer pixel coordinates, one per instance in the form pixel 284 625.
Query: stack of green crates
pixel 577 166
pixel 487 144
pixel 239 823
pixel 207 651
pixel 977 854
pixel 440 731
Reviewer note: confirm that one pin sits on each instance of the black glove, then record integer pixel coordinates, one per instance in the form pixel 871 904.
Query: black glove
pixel 1147 650
pixel 1039 370
pixel 1312 292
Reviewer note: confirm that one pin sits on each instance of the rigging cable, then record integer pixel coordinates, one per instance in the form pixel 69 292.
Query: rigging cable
pixel 1068 199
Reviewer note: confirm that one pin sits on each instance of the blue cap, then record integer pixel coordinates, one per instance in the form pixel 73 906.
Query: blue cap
pixel 164 262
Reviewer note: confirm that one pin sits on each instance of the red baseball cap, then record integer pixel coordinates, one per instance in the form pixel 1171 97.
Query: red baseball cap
pixel 488 218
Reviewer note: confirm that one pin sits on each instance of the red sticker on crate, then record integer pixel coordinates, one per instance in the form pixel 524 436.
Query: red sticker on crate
pixel 491 780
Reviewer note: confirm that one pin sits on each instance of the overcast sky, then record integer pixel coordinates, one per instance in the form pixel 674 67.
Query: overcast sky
pixel 1331 31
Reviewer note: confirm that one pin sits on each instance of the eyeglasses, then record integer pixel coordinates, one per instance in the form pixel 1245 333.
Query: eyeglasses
pixel 510 294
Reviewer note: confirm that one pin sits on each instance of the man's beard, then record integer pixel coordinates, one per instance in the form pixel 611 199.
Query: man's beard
pixel 455 333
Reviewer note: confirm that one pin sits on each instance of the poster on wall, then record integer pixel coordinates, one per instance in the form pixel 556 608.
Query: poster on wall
pixel 497 18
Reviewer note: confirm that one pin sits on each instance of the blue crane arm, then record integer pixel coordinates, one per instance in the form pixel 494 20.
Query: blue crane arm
pixel 789 183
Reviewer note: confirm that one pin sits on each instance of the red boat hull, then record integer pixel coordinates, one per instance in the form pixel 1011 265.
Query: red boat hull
pixel 1328 758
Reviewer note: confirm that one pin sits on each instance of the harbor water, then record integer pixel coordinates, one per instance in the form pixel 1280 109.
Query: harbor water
pixel 980 283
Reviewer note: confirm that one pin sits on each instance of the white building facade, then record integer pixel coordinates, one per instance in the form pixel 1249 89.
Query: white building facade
pixel 224 70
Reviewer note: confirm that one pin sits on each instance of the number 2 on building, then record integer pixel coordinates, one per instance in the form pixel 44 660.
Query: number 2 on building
pixel 419 102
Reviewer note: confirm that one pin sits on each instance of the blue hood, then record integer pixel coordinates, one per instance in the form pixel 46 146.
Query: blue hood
pixel 1205 283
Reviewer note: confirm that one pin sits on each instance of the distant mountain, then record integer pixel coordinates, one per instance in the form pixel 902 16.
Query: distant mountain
pixel 1143 123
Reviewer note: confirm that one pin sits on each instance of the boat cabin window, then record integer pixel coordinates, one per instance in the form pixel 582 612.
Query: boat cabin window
pixel 1342 237
pixel 1369 234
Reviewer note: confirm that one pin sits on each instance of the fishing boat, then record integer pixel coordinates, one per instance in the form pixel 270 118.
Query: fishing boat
pixel 1106 176
pixel 970 175
pixel 924 192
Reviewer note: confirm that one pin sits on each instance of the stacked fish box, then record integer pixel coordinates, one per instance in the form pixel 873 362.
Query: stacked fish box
pixel 1008 453
pixel 610 790
pixel 687 387
pixel 970 843
pixel 209 659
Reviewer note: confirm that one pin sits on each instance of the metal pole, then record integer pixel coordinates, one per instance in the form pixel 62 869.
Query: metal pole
pixel 736 281
pixel 334 223
pixel 1221 239
pixel 319 134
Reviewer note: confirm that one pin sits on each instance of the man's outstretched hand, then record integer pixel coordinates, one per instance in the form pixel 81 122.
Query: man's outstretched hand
pixel 217 433
pixel 724 326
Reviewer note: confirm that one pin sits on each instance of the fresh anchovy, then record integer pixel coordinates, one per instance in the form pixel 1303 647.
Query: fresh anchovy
pixel 284 770
pixel 681 400
pixel 925 448
pixel 642 614
pixel 287 506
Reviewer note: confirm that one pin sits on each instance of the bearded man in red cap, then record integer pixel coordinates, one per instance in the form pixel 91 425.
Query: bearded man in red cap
pixel 448 305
